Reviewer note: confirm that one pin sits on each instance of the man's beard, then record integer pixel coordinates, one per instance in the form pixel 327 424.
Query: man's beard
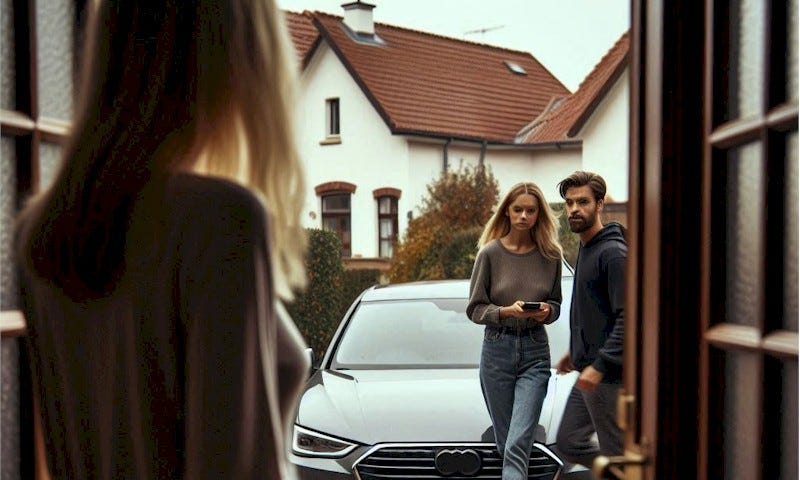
pixel 581 225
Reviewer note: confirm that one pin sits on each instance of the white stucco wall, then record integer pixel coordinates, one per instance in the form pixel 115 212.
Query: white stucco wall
pixel 544 167
pixel 425 161
pixel 606 137
pixel 368 155
pixel 510 165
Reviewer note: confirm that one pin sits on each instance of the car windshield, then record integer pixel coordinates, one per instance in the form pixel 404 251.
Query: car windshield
pixel 424 333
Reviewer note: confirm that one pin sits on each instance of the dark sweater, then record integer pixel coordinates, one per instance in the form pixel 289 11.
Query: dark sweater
pixel 190 374
pixel 598 298
pixel 501 277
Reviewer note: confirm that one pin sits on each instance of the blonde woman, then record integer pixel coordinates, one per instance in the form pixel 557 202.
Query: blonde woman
pixel 515 290
pixel 151 268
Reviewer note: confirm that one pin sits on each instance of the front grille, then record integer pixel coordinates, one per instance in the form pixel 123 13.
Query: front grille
pixel 418 462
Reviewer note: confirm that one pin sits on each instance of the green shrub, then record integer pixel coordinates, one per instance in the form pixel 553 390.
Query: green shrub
pixel 353 283
pixel 316 311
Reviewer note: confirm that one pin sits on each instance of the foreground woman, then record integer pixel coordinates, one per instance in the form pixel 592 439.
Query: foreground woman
pixel 151 268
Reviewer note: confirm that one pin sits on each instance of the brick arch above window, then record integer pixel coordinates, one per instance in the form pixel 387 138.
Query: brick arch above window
pixel 386 192
pixel 337 186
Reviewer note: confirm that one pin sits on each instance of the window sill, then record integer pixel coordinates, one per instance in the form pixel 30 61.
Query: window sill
pixel 331 141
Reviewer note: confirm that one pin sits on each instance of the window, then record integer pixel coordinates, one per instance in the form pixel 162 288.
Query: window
pixel 751 162
pixel 336 218
pixel 515 67
pixel 387 225
pixel 332 122
pixel 39 47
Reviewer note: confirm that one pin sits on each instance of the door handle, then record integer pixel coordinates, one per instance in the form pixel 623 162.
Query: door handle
pixel 628 466
pixel 619 467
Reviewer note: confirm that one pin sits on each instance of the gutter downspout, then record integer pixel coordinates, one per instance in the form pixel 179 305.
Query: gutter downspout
pixel 445 164
pixel 483 155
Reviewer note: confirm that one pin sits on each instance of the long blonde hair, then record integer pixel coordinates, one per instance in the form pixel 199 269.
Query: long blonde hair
pixel 544 233
pixel 203 86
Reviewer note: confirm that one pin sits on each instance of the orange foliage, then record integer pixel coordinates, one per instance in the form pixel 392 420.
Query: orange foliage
pixel 457 205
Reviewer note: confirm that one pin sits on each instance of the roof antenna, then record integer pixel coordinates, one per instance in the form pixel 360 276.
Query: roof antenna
pixel 481 31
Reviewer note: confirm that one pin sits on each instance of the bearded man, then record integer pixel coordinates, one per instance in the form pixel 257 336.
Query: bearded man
pixel 597 325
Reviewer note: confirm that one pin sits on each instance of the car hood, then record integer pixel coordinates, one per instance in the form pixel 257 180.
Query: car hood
pixel 370 406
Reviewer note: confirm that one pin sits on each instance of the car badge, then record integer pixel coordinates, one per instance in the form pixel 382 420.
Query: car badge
pixel 462 462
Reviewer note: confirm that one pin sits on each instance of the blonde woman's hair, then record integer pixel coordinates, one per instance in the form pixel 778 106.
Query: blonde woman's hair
pixel 262 136
pixel 205 86
pixel 544 233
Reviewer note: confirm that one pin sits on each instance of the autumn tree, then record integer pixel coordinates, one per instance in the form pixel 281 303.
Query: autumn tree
pixel 441 242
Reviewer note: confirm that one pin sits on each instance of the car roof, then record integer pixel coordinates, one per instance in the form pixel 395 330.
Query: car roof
pixel 423 289
pixel 418 290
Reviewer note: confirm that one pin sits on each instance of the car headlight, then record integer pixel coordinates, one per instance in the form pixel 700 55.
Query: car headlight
pixel 314 444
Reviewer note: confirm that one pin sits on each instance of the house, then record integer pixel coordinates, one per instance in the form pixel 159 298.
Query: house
pixel 597 114
pixel 385 110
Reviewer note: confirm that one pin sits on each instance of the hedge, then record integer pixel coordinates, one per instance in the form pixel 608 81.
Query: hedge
pixel 331 289
pixel 316 311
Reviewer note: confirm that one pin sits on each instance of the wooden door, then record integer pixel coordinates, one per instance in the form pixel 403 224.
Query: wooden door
pixel 712 318
pixel 749 324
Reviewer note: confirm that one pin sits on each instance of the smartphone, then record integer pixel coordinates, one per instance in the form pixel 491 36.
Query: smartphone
pixel 532 305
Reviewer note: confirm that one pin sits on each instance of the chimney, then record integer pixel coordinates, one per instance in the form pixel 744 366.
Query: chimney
pixel 358 17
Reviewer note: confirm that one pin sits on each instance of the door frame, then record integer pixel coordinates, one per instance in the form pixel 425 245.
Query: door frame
pixel 663 342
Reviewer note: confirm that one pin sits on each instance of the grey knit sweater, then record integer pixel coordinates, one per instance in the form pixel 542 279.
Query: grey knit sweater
pixel 500 277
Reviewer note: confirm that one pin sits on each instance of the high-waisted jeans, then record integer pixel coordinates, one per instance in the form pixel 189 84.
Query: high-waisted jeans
pixel 514 371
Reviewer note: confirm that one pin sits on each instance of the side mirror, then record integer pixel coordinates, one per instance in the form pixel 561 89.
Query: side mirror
pixel 310 359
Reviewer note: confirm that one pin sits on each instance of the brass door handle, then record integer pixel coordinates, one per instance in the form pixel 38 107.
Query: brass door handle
pixel 627 467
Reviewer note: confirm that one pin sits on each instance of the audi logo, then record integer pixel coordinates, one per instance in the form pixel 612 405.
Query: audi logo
pixel 463 462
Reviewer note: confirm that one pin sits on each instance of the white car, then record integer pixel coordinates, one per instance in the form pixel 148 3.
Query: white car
pixel 397 393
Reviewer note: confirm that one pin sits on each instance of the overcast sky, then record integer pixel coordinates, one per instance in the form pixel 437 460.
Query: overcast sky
pixel 568 37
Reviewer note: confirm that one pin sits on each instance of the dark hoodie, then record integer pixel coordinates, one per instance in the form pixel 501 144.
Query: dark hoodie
pixel 598 298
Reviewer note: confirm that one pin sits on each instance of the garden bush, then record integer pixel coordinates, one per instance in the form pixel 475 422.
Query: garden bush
pixel 317 310
pixel 354 282
pixel 457 204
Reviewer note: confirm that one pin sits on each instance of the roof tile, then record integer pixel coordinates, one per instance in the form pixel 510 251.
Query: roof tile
pixel 428 84
pixel 564 119
pixel 303 33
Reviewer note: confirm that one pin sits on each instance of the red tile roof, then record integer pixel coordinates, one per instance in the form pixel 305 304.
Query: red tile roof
pixel 303 33
pixel 564 119
pixel 432 85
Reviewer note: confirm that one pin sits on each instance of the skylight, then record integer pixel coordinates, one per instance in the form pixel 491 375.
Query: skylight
pixel 515 68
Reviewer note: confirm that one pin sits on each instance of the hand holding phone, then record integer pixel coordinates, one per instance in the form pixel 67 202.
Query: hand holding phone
pixel 531 305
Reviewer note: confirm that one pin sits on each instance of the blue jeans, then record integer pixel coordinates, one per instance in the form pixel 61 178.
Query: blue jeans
pixel 514 371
